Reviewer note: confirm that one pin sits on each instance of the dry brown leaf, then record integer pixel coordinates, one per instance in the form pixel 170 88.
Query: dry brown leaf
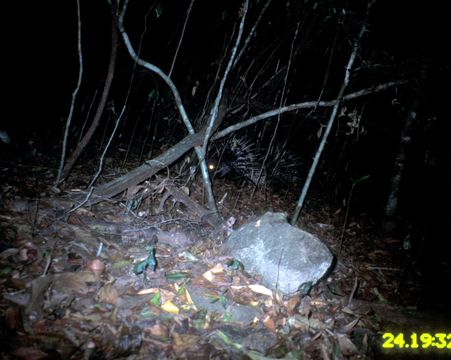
pixel 292 304
pixel 29 353
pixel 108 294
pixel 158 330
pixel 76 282
pixel 184 342
pixel 269 323
pixel 260 289
pixel 215 270
pixel 148 291
pixel 346 345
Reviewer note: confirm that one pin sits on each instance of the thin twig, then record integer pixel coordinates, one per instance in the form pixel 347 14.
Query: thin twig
pixel 279 117
pixel 82 203
pixel 74 97
pixel 252 32
pixel 212 121
pixel 354 290
pixel 332 118
pixel 181 38
pixel 345 222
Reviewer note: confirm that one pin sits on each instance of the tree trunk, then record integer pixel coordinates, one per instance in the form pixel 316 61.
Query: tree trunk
pixel 391 207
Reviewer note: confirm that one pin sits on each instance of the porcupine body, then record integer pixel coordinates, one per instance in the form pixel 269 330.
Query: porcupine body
pixel 236 158
pixel 282 167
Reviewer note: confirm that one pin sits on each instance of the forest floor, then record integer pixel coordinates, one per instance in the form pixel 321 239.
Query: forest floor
pixel 81 283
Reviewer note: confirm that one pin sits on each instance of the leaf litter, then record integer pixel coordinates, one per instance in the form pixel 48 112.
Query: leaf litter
pixel 104 282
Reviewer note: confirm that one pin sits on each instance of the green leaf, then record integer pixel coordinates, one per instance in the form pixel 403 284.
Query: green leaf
pixel 199 324
pixel 176 276
pixel 181 290
pixel 234 264
pixel 150 261
pixel 153 95
pixel 305 288
pixel 159 9
pixel 227 317
pixel 140 267
pixel 363 178
pixel 226 340
pixel 156 299
pixel 5 271
pixel 147 313
pixel 223 300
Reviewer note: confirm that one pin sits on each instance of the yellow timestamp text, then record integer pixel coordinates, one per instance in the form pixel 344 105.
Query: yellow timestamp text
pixel 416 341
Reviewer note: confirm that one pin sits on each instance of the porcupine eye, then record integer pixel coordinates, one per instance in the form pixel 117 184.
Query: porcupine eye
pixel 218 170
pixel 211 167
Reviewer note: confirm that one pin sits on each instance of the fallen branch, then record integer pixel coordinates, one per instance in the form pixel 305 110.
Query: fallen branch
pixel 201 212
pixel 151 167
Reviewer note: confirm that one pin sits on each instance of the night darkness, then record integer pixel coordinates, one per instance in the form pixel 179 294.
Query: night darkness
pixel 298 53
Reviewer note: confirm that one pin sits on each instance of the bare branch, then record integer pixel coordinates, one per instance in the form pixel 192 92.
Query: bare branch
pixel 151 167
pixel 306 105
pixel 215 107
pixel 103 99
pixel 74 97
pixel 178 100
pixel 332 118
pixel 212 122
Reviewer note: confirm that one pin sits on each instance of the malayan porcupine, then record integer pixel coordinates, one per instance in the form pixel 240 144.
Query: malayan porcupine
pixel 236 158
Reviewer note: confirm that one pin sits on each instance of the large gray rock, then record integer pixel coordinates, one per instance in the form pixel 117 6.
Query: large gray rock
pixel 283 255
